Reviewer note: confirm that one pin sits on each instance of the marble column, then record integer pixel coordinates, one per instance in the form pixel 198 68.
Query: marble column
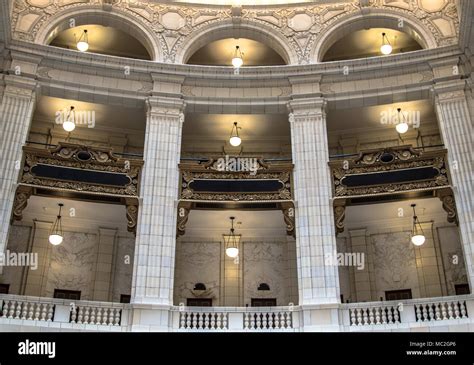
pixel 153 273
pixel 318 282
pixel 16 111
pixel 455 117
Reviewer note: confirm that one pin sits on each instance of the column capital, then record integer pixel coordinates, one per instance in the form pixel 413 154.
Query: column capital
pixel 18 86
pixel 449 91
pixel 166 107
pixel 307 108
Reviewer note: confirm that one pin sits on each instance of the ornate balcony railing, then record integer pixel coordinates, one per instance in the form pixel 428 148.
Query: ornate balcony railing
pixel 236 319
pixel 80 171
pixel 16 310
pixel 74 314
pixel 404 171
pixel 408 313
pixel 236 182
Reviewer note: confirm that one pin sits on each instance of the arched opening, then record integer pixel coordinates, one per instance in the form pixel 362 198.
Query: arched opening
pixel 103 40
pixel 361 36
pixel 368 43
pixel 108 33
pixel 256 41
pixel 221 52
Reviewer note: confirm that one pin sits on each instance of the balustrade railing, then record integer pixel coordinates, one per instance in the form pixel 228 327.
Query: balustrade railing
pixel 378 314
pixel 454 310
pixel 268 320
pixel 61 310
pixel 406 312
pixel 107 316
pixel 441 310
pixel 29 310
pixel 203 320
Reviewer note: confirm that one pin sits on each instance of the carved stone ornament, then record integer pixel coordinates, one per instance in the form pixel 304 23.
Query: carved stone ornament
pixel 85 158
pixel 132 217
pixel 288 209
pixel 375 163
pixel 449 204
pixel 339 215
pixel 278 172
pixel 184 208
pixel 22 195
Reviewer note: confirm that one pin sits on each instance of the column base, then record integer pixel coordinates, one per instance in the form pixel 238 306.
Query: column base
pixel 320 318
pixel 151 318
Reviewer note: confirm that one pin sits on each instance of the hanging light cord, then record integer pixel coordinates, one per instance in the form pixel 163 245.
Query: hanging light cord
pixel 415 222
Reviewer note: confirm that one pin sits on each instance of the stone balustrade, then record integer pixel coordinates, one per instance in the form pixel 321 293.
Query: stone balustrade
pixel 235 318
pixel 413 313
pixel 61 313
pixel 441 310
pixel 375 314
pixel 197 320
pixel 29 312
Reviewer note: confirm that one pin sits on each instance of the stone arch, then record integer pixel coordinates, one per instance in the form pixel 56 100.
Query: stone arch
pixel 371 18
pixel 116 19
pixel 227 29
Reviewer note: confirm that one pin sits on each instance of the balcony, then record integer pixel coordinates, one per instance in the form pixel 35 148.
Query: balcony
pixel 452 313
pixel 30 313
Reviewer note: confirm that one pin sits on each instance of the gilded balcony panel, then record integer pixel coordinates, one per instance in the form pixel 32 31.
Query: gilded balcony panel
pixel 389 171
pixel 82 172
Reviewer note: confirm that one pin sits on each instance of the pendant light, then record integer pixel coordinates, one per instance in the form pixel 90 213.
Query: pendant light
pixel 417 236
pixel 232 241
pixel 237 60
pixel 56 233
pixel 69 125
pixel 234 139
pixel 386 47
pixel 402 125
pixel 83 42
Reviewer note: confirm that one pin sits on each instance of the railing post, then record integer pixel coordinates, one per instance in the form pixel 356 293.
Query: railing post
pixel 470 307
pixel 407 313
pixel 175 320
pixel 236 321
pixel 62 313
pixel 346 317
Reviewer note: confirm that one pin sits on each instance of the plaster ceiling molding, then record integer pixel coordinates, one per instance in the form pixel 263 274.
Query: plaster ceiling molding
pixel 39 3
pixel 402 4
pixel 142 10
pixel 70 2
pixel 300 21
pixel 189 35
pixel 25 22
pixel 278 21
pixel 173 19
pixel 432 6
pixel 328 14
pixel 445 26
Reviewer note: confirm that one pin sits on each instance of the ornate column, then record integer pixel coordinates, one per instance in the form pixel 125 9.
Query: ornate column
pixel 153 273
pixel 16 111
pixel 315 234
pixel 455 117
